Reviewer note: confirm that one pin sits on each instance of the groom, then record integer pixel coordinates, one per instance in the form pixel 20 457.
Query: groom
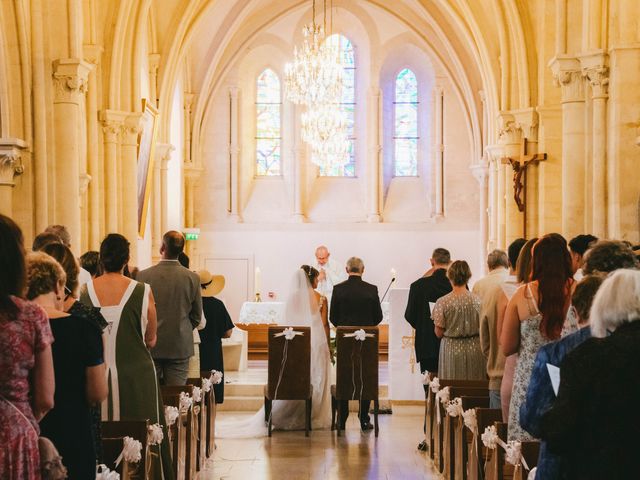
pixel 355 303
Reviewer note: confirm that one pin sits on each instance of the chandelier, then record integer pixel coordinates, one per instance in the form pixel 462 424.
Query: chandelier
pixel 324 128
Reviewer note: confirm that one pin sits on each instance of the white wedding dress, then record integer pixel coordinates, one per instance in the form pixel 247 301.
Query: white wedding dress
pixel 302 310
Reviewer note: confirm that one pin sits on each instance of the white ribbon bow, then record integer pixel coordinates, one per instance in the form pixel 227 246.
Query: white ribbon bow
pixel 171 414
pixel 216 377
pixel 425 378
pixel 443 395
pixel 470 420
pixel 185 402
pixel 513 454
pixel 288 333
pixel 154 434
pixel 131 451
pixel 206 385
pixel 359 335
pixel 435 385
pixel 103 473
pixel 454 407
pixel 197 394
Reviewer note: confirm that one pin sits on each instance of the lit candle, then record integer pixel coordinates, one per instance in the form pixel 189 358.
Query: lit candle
pixel 393 275
pixel 257 280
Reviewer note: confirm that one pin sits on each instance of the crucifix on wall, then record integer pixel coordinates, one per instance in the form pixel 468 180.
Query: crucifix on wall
pixel 519 166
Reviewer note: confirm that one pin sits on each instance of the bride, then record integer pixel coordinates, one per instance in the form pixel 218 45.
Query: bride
pixel 305 307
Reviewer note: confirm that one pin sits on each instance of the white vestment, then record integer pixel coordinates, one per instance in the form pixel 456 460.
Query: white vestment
pixel 335 273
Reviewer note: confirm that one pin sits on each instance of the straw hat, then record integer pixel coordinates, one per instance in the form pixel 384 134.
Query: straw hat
pixel 211 284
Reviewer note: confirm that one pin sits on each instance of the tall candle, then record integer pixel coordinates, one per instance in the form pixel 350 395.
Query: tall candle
pixel 256 281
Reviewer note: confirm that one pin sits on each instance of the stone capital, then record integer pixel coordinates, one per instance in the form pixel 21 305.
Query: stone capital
pixel 494 155
pixel 509 130
pixel 112 124
pixel 131 129
pixel 163 153
pixel 480 172
pixel 567 74
pixel 10 160
pixel 71 77
pixel 595 68
pixel 92 54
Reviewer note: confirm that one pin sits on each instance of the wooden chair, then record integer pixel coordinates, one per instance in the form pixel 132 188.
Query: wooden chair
pixel 211 406
pixel 289 377
pixel 447 467
pixel 113 433
pixel 356 372
pixel 201 419
pixel 184 449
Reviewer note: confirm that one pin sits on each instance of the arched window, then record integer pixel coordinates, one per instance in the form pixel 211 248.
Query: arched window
pixel 268 125
pixel 347 103
pixel 405 133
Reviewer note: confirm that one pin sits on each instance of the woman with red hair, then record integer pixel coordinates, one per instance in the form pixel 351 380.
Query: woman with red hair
pixel 535 316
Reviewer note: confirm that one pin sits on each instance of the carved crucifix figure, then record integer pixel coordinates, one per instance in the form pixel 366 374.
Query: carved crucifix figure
pixel 519 166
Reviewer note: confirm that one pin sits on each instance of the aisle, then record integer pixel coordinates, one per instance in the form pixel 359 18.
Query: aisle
pixel 291 456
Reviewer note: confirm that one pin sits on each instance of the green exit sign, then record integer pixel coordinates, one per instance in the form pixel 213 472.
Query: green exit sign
pixel 191 236
pixel 191 233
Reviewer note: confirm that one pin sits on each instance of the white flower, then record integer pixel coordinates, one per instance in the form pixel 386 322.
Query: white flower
pixel 216 377
pixel 171 414
pixel 490 437
pixel 454 407
pixel 425 378
pixel 435 385
pixel 470 419
pixel 103 473
pixel 197 394
pixel 185 402
pixel 513 454
pixel 360 335
pixel 132 451
pixel 289 334
pixel 154 434
pixel 206 385
pixel 443 395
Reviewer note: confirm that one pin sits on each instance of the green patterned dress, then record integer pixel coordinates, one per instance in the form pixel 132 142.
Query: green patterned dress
pixel 131 375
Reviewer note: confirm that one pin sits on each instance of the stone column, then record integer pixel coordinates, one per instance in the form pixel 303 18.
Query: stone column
pixel 188 102
pixel 85 181
pixel 494 204
pixel 375 155
pixel 10 167
pixel 234 155
pixel 163 153
pixel 510 139
pixel 129 181
pixel 154 64
pixel 299 169
pixel 439 152
pixel 70 81
pixel 481 172
pixel 596 71
pixel 112 125
pixel 568 75
pixel 92 55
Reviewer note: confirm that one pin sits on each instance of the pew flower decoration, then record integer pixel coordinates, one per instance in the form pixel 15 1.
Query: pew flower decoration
pixel 360 335
pixel 185 402
pixel 532 474
pixel 197 394
pixel 513 454
pixel 216 377
pixel 171 414
pixel 206 385
pixel 154 434
pixel 131 451
pixel 490 437
pixel 103 473
pixel 425 378
pixel 470 420
pixel 435 384
pixel 443 396
pixel 454 407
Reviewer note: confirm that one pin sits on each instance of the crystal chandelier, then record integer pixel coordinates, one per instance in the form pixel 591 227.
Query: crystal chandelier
pixel 324 128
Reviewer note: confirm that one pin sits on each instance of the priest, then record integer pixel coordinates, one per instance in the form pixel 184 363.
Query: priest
pixel 331 272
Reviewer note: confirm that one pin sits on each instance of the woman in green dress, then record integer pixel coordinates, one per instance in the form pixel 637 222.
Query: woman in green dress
pixel 129 309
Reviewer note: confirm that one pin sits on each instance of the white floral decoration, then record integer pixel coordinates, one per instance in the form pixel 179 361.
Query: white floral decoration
pixel 216 377
pixel 185 402
pixel 361 335
pixel 197 394
pixel 435 384
pixel 443 395
pixel 513 452
pixel 103 473
pixel 206 385
pixel 131 451
pixel 154 434
pixel 490 437
pixel 470 420
pixel 454 407
pixel 171 414
pixel 289 334
pixel 425 378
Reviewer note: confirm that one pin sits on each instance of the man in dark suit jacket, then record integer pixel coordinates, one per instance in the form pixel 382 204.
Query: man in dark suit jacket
pixel 355 303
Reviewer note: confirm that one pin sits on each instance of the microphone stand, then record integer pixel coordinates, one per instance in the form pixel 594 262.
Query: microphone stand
pixel 387 290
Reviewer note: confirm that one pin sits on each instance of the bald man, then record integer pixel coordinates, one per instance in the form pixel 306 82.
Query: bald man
pixel 331 272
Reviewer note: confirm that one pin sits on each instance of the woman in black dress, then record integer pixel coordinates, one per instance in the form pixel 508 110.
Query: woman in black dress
pixel 219 326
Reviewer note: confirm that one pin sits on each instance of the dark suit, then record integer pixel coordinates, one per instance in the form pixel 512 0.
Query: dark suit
pixel 418 314
pixel 355 303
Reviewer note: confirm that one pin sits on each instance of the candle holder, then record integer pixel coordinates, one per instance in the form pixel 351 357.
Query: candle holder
pixel 258 298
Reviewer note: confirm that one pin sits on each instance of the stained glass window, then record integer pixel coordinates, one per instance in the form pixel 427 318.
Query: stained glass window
pixel 347 103
pixel 268 126
pixel 405 134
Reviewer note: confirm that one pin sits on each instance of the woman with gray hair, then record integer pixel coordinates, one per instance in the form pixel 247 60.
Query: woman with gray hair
pixel 595 423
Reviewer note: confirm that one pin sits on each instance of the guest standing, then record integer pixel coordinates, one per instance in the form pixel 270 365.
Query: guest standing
pixel 456 317
pixel 578 247
pixel 179 305
pixel 218 326
pixel 194 361
pixel 78 364
pixel 595 423
pixel 65 238
pixel 355 303
pixel 535 316
pixel 129 308
pixel 90 261
pixel 423 292
pixel 498 265
pixel 26 363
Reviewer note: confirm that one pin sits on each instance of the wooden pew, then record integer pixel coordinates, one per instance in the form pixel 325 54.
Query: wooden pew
pixel 210 405
pixel 463 436
pixel 497 469
pixel 476 463
pixel 448 436
pixel 184 450
pixel 530 450
pixel 113 433
pixel 201 419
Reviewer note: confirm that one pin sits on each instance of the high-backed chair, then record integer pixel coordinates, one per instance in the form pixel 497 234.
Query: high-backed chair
pixel 289 376
pixel 356 371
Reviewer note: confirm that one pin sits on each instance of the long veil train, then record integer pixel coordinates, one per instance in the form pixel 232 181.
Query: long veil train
pixel 302 310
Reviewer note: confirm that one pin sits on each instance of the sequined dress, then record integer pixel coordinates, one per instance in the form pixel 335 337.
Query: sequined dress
pixel 461 357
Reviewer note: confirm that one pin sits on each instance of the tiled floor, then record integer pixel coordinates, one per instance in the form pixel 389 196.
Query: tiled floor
pixel 323 455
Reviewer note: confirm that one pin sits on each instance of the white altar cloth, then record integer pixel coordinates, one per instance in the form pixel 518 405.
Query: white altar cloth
pixel 262 313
